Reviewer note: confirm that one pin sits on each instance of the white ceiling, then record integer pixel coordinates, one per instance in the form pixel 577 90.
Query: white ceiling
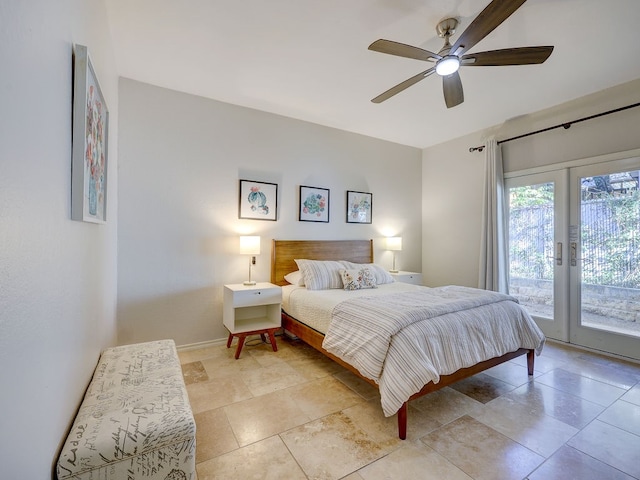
pixel 308 59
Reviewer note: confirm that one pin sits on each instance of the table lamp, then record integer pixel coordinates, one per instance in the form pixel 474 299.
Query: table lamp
pixel 395 245
pixel 250 245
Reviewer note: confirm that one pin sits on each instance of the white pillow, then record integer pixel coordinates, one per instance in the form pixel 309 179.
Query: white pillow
pixel 382 276
pixel 320 274
pixel 295 278
pixel 358 278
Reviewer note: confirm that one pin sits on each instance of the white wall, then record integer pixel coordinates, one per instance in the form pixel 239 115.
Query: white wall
pixel 181 158
pixel 57 276
pixel 453 177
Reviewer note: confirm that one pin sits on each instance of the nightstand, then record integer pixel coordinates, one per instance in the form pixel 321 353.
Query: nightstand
pixel 252 310
pixel 408 277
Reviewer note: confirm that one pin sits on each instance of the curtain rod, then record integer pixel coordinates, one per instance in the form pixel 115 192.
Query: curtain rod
pixel 565 125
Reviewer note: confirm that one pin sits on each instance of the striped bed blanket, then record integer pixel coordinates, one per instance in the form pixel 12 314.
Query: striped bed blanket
pixel 403 341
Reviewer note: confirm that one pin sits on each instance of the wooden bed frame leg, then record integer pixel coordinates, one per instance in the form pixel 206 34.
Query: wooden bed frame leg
pixel 530 358
pixel 402 421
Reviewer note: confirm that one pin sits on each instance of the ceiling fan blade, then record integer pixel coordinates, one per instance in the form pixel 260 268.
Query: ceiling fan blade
pixel 507 56
pixel 402 50
pixel 402 86
pixel 493 15
pixel 452 86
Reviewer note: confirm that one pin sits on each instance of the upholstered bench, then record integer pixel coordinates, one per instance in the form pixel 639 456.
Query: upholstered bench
pixel 135 421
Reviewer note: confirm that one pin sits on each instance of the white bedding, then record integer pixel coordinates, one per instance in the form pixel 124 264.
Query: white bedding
pixel 314 307
pixel 412 338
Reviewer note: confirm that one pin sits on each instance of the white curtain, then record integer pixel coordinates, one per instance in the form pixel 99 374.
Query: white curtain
pixel 493 254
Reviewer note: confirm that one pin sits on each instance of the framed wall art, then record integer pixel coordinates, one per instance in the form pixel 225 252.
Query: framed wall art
pixel 359 206
pixel 314 204
pixel 89 142
pixel 258 200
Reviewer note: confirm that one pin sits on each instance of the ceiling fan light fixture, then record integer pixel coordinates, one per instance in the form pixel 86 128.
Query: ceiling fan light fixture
pixel 447 65
pixel 451 57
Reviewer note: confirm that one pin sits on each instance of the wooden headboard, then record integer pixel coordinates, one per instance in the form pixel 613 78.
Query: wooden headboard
pixel 284 253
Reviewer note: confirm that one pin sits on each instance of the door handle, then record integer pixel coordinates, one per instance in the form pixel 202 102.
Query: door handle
pixel 574 254
pixel 559 253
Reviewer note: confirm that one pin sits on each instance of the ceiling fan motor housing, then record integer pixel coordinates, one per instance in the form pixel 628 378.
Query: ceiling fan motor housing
pixel 447 27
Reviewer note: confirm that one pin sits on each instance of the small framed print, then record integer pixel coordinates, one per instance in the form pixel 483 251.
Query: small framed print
pixel 314 204
pixel 258 200
pixel 359 206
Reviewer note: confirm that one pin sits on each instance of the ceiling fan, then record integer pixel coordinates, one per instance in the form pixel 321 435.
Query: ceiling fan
pixel 451 57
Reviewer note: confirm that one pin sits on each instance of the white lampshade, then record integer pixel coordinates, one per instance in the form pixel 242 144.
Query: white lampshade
pixel 250 245
pixel 394 243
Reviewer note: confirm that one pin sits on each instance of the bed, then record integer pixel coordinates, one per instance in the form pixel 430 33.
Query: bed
pixel 414 363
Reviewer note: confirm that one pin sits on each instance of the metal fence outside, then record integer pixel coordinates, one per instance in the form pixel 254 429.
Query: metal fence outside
pixel 610 241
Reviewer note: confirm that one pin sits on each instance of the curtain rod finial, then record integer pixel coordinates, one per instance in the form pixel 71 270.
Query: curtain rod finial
pixel 478 149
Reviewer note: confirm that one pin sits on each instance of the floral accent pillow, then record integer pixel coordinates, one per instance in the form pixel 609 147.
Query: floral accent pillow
pixel 358 279
pixel 382 276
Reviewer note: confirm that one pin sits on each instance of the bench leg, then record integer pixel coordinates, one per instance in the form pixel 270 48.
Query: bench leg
pixel 229 340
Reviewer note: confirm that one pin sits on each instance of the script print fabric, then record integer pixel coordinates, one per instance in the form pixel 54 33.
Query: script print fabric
pixel 135 421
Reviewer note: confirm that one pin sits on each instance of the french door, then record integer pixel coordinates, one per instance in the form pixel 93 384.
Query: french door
pixel 574 253
pixel 604 266
pixel 538 248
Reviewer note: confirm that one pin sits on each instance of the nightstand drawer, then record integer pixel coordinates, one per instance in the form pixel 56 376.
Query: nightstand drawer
pixel 256 296
pixel 408 277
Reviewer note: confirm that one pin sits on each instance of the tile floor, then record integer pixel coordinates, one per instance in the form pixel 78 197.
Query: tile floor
pixel 294 414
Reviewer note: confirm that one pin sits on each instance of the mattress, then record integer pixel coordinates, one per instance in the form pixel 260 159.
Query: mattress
pixel 314 307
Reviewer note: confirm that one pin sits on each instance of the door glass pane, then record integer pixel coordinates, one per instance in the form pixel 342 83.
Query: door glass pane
pixel 531 247
pixel 610 252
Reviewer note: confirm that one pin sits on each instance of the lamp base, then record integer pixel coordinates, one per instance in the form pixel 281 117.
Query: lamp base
pixel 248 282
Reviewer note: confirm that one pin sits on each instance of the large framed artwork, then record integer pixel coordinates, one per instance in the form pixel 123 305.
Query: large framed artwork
pixel 90 141
pixel 359 207
pixel 314 204
pixel 258 200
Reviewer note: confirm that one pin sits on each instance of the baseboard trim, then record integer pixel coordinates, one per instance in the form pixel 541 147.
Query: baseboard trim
pixel 594 350
pixel 196 346
pixel 222 341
